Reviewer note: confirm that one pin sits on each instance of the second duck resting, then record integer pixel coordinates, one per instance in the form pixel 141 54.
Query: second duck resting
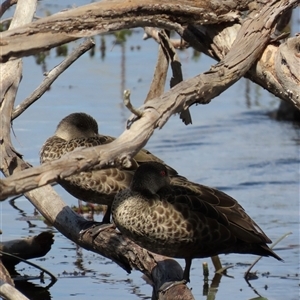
pixel 181 219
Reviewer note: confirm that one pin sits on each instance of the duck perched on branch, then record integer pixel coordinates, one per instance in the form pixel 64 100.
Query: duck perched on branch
pixel 182 219
pixel 98 185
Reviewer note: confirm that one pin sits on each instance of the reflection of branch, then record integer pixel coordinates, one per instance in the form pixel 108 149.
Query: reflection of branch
pixel 52 76
pixel 213 289
pixel 6 5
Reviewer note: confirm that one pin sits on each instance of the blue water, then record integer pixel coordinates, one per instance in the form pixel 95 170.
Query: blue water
pixel 232 145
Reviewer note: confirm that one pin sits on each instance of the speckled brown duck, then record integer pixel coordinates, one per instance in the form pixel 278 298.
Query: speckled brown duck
pixel 177 218
pixel 97 186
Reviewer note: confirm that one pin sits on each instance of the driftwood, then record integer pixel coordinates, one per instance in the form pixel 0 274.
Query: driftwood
pixel 106 16
pixel 156 112
pixel 247 53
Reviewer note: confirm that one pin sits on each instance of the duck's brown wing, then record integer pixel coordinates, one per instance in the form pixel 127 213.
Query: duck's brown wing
pixel 99 186
pixel 227 208
pixel 55 147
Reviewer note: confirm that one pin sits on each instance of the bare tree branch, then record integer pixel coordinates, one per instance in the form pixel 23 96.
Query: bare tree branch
pixel 107 16
pixel 6 5
pixel 250 42
pixel 151 32
pixel 158 83
pixel 217 41
pixel 51 77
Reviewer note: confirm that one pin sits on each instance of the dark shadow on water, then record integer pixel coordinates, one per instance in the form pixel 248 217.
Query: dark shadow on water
pixel 33 291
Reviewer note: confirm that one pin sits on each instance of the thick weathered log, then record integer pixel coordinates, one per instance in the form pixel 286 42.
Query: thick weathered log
pixel 107 16
pixel 250 42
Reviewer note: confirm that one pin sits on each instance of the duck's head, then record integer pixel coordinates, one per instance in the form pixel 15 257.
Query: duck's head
pixel 151 177
pixel 77 125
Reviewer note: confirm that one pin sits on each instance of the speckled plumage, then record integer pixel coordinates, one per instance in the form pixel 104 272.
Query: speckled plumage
pixel 95 186
pixel 174 217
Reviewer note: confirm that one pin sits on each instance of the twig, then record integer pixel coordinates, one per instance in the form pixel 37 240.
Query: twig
pixel 258 259
pixel 6 5
pixel 169 49
pixel 138 113
pixel 52 76
pixel 151 32
pixel 128 104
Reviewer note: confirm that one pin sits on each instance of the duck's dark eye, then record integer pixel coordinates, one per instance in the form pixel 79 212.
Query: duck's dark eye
pixel 163 173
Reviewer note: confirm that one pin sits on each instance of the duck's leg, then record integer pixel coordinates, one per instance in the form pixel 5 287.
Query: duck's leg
pixel 186 273
pixel 106 217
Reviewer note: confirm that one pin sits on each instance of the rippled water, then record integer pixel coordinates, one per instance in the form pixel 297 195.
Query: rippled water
pixel 232 145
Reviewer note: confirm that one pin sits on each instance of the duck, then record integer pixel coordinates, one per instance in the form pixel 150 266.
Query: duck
pixel 79 130
pixel 175 217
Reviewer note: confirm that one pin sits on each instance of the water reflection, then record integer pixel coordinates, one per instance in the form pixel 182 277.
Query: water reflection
pixel 33 291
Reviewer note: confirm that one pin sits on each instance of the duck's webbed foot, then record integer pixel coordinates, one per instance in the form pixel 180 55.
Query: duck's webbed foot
pixel 94 228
